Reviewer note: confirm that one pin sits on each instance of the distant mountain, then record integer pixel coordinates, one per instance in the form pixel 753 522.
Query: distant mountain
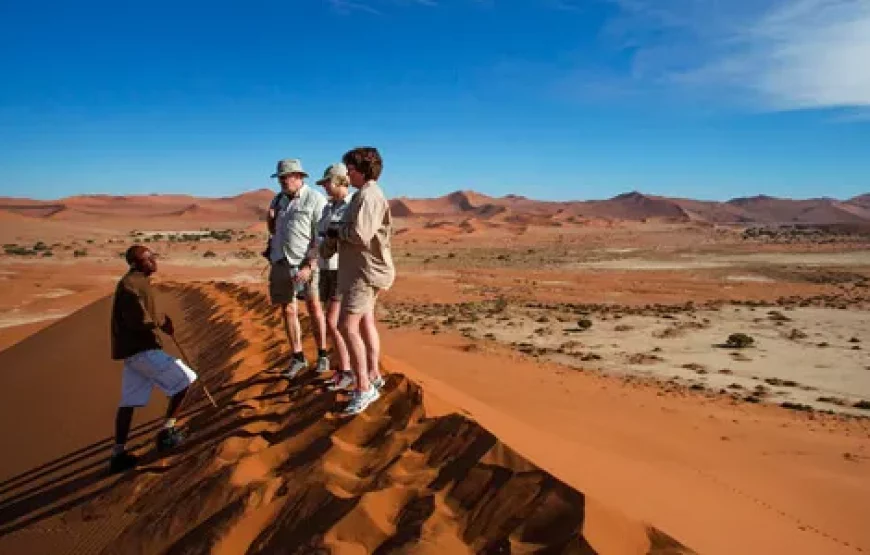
pixel 639 206
pixel 466 206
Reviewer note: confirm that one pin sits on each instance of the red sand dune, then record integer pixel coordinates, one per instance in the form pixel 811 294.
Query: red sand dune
pixel 274 469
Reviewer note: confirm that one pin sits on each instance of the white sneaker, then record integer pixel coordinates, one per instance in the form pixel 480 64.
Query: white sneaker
pixel 345 381
pixel 379 382
pixel 296 366
pixel 361 400
pixel 322 365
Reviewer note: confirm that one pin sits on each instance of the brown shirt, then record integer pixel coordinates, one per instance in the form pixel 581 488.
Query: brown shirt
pixel 364 234
pixel 135 316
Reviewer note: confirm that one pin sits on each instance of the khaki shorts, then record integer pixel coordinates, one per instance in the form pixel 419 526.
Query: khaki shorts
pixel 282 289
pixel 359 298
pixel 329 286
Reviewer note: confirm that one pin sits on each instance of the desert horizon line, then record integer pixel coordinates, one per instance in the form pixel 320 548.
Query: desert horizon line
pixel 626 194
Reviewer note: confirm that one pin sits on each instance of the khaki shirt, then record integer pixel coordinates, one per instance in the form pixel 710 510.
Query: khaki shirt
pixel 296 222
pixel 135 316
pixel 364 236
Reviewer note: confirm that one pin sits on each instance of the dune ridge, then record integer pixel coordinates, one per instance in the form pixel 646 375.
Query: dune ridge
pixel 274 469
pixel 466 204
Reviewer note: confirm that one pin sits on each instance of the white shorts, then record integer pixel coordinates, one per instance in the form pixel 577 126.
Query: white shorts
pixel 147 369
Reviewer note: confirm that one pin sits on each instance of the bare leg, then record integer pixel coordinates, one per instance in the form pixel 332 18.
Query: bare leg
pixel 349 325
pixel 291 326
pixel 175 404
pixel 123 419
pixel 333 310
pixel 372 340
pixel 318 321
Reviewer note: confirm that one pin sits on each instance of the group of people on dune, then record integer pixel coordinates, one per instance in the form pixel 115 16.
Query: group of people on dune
pixel 332 252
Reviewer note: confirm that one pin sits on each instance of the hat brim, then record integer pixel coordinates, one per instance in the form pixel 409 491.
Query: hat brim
pixel 303 174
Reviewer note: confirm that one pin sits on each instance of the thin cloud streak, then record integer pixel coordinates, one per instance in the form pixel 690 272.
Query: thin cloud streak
pixel 785 54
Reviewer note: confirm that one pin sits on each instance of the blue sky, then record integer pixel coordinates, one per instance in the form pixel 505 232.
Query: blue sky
pixel 554 99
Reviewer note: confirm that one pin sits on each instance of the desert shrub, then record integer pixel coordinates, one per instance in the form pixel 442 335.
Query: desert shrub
pixel 865 405
pixel 739 341
pixel 501 304
pixel 584 323
pixel 209 254
pixel 80 252
pixel 224 235
pixel 46 254
pixel 40 246
pixel 15 250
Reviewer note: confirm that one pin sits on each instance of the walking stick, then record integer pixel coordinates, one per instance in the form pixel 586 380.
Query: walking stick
pixel 187 362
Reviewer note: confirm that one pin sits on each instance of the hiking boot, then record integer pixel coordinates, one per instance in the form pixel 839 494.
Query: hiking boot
pixel 322 365
pixel 361 400
pixel 296 366
pixel 379 382
pixel 121 462
pixel 343 380
pixel 169 438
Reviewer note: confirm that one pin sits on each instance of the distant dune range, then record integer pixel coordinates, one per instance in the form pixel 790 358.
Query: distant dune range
pixel 468 210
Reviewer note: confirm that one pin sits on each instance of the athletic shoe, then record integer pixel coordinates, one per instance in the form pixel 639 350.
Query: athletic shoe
pixel 379 382
pixel 121 462
pixel 169 438
pixel 361 400
pixel 345 380
pixel 322 365
pixel 295 367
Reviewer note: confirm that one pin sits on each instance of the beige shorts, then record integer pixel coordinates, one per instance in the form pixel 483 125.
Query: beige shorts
pixel 282 290
pixel 359 298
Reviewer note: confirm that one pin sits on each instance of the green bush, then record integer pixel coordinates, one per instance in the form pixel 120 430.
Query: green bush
pixel 15 250
pixel 739 341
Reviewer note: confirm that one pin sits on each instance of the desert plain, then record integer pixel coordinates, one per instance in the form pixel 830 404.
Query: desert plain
pixel 635 375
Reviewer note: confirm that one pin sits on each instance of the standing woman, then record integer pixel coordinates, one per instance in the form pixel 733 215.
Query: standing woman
pixel 336 184
pixel 365 270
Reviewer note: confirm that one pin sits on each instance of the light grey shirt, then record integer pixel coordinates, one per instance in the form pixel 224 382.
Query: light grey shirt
pixel 333 213
pixel 296 220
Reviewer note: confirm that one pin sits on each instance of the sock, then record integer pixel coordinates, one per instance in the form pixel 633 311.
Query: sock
pixel 321 353
pixel 299 356
pixel 170 423
pixel 118 449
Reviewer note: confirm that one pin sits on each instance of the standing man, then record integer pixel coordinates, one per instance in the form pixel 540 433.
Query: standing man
pixel 293 218
pixel 135 320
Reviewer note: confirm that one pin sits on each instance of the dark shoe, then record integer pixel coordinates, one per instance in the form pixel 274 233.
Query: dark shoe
pixel 169 438
pixel 122 462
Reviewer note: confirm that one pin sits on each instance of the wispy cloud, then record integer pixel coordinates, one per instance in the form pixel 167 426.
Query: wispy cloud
pixel 778 54
pixel 374 7
pixel 346 7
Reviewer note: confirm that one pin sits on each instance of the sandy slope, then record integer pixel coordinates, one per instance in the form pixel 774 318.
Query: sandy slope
pixel 274 469
pixel 725 478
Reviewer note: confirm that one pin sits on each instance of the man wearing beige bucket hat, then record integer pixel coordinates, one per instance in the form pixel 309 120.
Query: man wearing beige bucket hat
pixel 293 218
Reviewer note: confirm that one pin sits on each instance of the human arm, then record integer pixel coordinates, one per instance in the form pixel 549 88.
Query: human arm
pixel 364 219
